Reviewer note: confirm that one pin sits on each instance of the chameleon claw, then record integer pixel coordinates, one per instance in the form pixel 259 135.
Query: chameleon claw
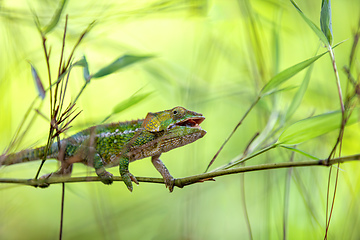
pixel 169 183
pixel 128 179
pixel 133 178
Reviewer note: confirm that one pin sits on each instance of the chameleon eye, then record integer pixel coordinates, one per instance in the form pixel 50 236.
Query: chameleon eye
pixel 175 112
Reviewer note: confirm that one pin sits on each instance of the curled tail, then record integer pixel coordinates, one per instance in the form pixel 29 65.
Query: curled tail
pixel 27 155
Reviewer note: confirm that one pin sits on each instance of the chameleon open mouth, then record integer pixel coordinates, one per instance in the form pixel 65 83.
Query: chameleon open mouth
pixel 189 122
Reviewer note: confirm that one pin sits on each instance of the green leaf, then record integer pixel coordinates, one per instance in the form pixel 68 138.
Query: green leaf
pixel 301 152
pixel 299 94
pixel 80 63
pixel 316 30
pixel 38 82
pixel 55 19
pixel 281 77
pixel 118 64
pixel 130 102
pixel 134 99
pixel 85 66
pixel 312 127
pixel 83 63
pixel 325 20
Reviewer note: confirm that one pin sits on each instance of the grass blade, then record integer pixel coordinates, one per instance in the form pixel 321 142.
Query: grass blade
pixel 38 82
pixel 86 73
pixel 299 94
pixel 325 20
pixel 55 19
pixel 283 76
pixel 134 99
pixel 312 127
pixel 118 64
pixel 301 152
pixel 316 30
pixel 130 102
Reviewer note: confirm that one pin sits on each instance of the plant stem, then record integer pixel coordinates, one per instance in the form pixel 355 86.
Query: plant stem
pixel 182 182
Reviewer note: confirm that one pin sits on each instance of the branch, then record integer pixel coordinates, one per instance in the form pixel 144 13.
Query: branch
pixel 182 182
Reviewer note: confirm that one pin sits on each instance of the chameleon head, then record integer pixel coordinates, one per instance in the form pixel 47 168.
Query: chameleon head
pixel 183 132
pixel 165 120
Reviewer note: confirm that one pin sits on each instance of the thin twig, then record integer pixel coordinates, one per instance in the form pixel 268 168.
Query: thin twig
pixel 243 201
pixel 78 42
pixel 182 182
pixel 233 131
pixel 286 198
pixel 60 71
pixel 62 211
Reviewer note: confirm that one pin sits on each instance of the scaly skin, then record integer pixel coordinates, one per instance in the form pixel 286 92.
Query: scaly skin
pixel 118 144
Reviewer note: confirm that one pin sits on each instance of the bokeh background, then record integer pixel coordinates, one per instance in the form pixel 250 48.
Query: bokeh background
pixel 212 57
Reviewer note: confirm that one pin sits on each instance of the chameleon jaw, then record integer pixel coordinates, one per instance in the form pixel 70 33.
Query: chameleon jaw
pixel 192 122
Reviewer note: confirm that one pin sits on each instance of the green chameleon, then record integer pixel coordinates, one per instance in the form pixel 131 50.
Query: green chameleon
pixel 118 144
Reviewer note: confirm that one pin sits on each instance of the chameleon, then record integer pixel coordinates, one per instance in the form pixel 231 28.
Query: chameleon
pixel 118 144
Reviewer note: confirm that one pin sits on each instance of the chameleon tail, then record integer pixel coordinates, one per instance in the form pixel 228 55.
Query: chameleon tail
pixel 27 155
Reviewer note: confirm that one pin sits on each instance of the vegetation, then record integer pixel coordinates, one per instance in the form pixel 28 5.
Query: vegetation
pixel 278 83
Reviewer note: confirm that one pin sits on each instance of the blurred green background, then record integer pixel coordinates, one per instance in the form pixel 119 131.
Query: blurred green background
pixel 212 57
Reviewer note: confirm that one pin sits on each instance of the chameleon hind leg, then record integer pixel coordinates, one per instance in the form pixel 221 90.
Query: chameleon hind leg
pixel 65 168
pixel 125 174
pixel 91 157
pixel 105 176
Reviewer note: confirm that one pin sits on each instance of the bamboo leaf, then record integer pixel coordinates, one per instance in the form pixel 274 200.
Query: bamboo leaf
pixel 130 102
pixel 55 19
pixel 38 82
pixel 283 76
pixel 80 63
pixel 312 127
pixel 301 152
pixel 85 66
pixel 316 30
pixel 295 103
pixel 135 99
pixel 118 64
pixel 325 20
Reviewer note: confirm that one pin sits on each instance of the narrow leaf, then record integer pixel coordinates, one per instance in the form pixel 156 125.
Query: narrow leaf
pixel 55 19
pixel 281 77
pixel 118 64
pixel 325 20
pixel 301 152
pixel 295 103
pixel 85 65
pixel 128 103
pixel 80 63
pixel 316 30
pixel 38 82
pixel 312 127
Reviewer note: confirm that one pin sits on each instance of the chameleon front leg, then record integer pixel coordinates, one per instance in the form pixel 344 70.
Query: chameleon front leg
pixel 125 174
pixel 160 166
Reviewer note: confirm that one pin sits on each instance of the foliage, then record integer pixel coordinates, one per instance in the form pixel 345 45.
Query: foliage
pixel 255 71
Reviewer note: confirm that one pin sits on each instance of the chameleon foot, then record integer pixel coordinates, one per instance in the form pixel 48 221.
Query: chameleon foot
pixel 169 183
pixel 105 177
pixel 128 177
pixel 46 176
